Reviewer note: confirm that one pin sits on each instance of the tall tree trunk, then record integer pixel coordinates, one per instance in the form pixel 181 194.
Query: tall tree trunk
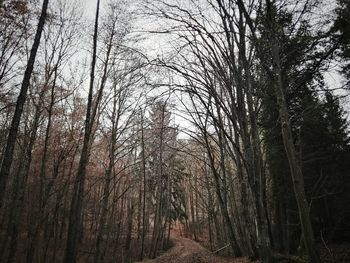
pixel 158 226
pixel 296 173
pixel 12 137
pixel 288 141
pixel 102 222
pixel 108 178
pixel 193 221
pixel 223 206
pixel 144 188
pixel 43 196
pixel 130 212
pixel 21 184
pixel 75 215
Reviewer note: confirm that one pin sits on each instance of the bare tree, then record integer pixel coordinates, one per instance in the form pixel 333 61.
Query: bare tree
pixel 75 224
pixel 11 140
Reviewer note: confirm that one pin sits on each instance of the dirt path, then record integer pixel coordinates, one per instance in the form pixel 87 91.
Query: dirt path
pixel 189 251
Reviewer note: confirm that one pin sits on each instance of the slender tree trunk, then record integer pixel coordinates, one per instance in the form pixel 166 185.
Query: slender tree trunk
pixel 130 212
pixel 296 173
pixel 193 220
pixel 20 191
pixel 11 139
pixel 139 209
pixel 43 195
pixel 209 208
pixel 157 227
pixel 288 141
pixel 223 206
pixel 297 176
pixel 102 221
pixel 75 216
pixel 108 178
pixel 144 189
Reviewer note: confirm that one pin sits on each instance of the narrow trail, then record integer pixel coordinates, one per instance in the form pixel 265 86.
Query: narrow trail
pixel 188 251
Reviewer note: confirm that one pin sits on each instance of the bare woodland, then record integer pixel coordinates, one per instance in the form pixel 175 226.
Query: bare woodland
pixel 174 131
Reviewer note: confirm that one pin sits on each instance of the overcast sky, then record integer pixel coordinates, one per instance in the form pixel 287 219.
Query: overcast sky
pixel 332 77
pixel 90 7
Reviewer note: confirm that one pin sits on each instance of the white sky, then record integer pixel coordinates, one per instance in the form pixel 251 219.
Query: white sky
pixel 156 45
pixel 90 7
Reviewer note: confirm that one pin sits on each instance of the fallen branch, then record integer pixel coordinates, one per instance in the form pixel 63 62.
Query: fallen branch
pixel 216 251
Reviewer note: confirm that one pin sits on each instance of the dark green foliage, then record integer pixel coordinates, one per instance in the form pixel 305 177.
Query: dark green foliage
pixel 320 129
pixel 178 198
pixel 325 147
pixel 341 28
pixel 320 136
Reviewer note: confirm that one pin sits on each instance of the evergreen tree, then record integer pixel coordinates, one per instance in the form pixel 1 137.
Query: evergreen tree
pixel 165 175
pixel 341 28
pixel 319 131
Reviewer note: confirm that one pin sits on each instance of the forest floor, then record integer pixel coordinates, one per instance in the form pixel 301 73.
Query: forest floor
pixel 185 250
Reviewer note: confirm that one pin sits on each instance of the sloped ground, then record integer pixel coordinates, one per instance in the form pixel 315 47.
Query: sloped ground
pixel 189 251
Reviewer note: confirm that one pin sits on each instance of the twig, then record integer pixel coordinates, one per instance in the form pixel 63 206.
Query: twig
pixel 329 250
pixel 216 251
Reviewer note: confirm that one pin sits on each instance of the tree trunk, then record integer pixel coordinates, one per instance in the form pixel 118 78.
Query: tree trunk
pixel 223 206
pixel 12 137
pixel 144 189
pixel 297 176
pixel 130 212
pixel 296 173
pixel 75 216
pixel 294 165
